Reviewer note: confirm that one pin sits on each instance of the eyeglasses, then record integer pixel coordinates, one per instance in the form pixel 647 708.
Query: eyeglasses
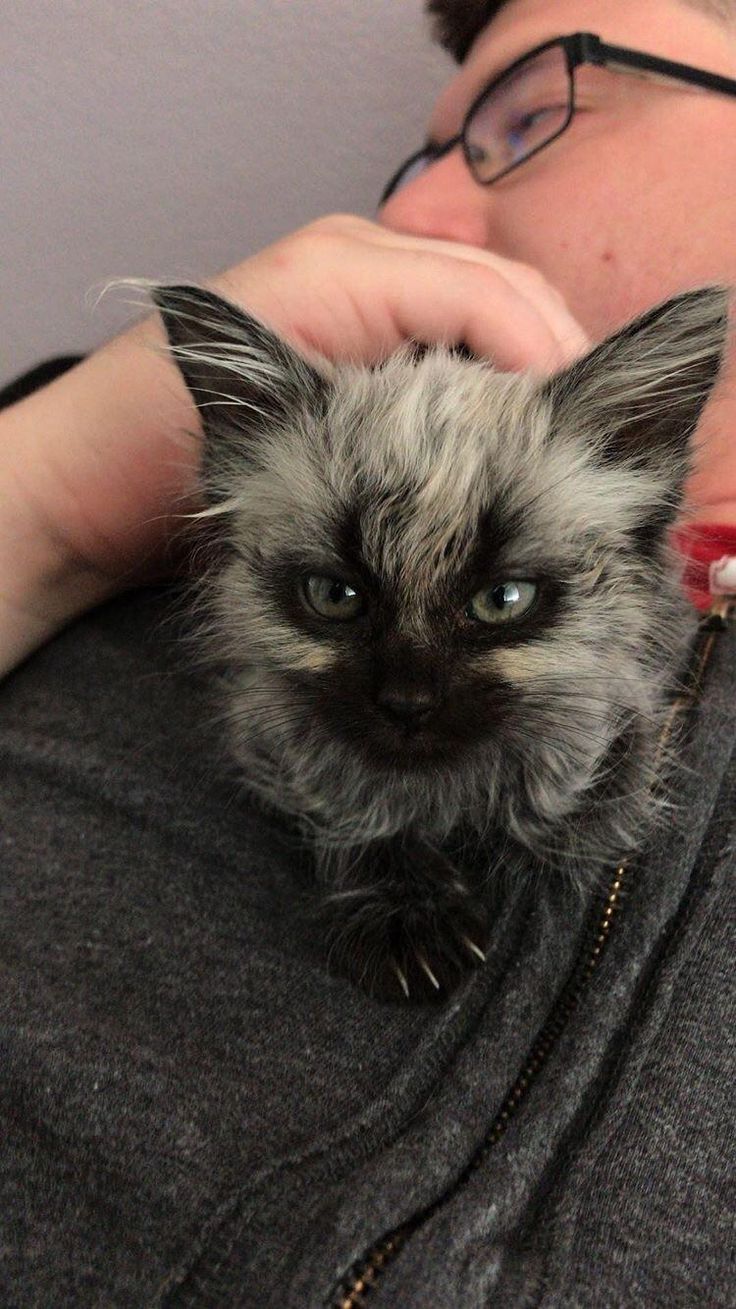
pixel 532 102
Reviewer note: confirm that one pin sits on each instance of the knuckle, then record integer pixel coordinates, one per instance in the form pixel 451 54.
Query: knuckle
pixel 534 278
pixel 337 222
pixel 325 223
pixel 310 241
pixel 318 235
pixel 485 276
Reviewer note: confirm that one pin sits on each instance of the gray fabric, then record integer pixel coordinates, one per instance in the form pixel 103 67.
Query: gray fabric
pixel 193 1113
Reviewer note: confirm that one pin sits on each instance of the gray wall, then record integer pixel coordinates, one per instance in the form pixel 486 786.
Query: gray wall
pixel 171 138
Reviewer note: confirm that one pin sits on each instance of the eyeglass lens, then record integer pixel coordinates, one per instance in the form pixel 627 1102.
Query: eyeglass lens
pixel 521 113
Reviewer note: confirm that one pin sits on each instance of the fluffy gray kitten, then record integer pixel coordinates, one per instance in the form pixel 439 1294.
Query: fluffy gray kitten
pixel 447 609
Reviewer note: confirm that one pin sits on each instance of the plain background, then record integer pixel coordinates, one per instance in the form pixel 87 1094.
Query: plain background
pixel 172 138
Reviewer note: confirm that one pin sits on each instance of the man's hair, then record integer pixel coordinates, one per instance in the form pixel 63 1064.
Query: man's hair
pixel 456 23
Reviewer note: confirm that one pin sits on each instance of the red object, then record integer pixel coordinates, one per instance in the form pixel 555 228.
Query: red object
pixel 702 544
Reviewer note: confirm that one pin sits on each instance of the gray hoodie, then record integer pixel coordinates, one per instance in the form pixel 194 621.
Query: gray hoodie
pixel 194 1113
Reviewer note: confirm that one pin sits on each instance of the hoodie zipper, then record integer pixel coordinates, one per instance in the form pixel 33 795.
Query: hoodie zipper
pixel 360 1279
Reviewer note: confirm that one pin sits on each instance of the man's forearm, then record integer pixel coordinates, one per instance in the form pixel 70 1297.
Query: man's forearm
pixel 94 471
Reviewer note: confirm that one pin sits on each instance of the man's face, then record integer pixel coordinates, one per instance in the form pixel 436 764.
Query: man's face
pixel 635 201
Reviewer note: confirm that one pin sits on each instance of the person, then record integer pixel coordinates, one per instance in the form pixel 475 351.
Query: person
pixel 194 1111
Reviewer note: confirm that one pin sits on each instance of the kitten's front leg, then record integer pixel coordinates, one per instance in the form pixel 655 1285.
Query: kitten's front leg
pixel 406 925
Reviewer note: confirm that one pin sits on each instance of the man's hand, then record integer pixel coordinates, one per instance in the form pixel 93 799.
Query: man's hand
pixel 348 288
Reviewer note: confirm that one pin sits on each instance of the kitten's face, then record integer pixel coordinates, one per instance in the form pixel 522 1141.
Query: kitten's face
pixel 447 592
pixel 412 562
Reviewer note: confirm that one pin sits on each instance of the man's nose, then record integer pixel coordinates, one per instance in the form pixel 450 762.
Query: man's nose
pixel 444 202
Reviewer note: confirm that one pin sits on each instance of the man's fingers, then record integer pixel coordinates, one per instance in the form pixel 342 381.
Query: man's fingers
pixel 350 289
pixel 484 312
pixel 528 282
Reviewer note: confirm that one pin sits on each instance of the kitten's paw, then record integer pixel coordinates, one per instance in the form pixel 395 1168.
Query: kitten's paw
pixel 401 947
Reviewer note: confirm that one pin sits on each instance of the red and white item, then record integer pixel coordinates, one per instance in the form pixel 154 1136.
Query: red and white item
pixel 710 568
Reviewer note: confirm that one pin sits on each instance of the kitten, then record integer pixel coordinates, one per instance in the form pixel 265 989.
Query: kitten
pixel 447 608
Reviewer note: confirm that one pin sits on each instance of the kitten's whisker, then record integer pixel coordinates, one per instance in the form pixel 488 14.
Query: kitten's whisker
pixel 557 744
pixel 630 710
pixel 580 677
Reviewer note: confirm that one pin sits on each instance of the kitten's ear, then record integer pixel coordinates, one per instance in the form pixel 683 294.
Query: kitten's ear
pixel 245 380
pixel 642 391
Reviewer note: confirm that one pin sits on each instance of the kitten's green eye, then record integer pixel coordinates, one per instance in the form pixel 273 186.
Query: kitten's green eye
pixel 502 603
pixel 330 597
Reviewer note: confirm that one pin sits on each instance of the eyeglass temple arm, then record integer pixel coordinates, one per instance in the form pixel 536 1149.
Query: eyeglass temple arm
pixel 590 49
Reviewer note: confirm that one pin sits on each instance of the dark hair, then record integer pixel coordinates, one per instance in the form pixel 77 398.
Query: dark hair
pixel 456 23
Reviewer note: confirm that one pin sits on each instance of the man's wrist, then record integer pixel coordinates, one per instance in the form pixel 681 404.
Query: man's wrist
pixel 35 610
pixel 43 584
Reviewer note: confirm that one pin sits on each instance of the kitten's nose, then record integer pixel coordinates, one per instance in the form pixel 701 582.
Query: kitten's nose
pixel 409 705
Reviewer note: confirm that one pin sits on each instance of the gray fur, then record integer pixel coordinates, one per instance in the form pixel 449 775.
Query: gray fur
pixel 577 480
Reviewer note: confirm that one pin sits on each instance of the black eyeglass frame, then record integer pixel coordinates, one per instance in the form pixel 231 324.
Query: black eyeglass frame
pixel 579 48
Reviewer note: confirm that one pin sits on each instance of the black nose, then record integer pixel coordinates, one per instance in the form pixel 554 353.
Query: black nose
pixel 411 706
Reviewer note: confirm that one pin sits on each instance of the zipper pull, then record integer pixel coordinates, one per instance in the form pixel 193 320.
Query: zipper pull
pixel 722 576
pixel 722 586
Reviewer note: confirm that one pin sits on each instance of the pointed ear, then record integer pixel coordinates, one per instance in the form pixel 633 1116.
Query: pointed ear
pixel 642 391
pixel 245 380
